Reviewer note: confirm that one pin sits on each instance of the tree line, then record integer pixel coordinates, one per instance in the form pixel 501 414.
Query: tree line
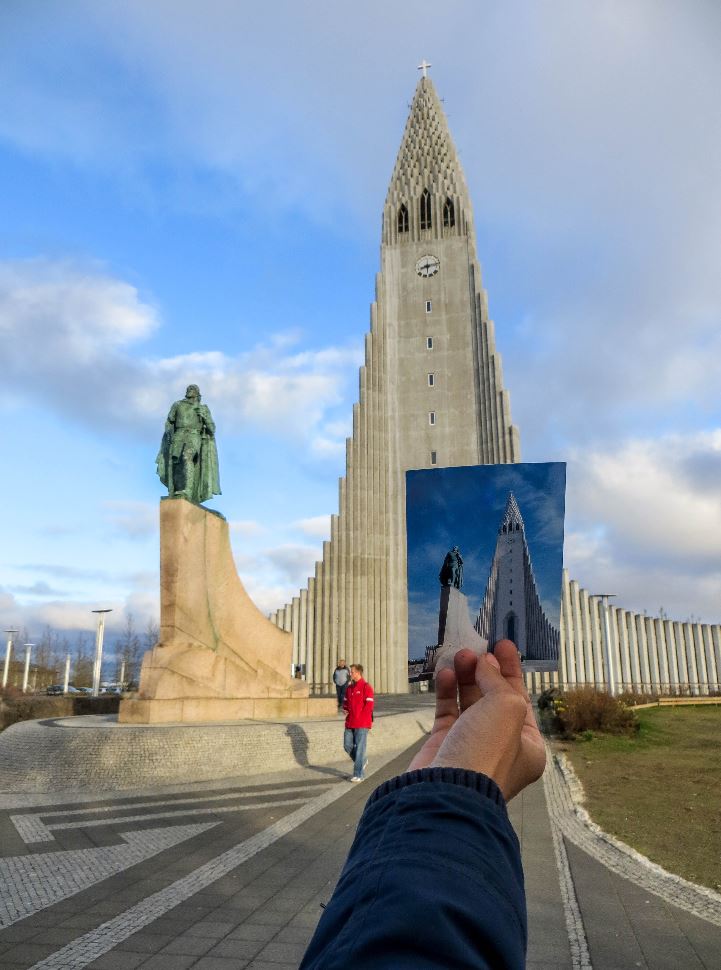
pixel 50 649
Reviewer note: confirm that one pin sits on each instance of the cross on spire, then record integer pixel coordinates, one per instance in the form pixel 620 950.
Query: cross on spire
pixel 423 66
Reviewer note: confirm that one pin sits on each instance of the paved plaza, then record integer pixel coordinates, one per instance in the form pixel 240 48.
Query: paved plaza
pixel 234 875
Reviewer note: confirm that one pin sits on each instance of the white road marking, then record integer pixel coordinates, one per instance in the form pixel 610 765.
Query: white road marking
pixel 29 883
pixel 31 828
pixel 95 943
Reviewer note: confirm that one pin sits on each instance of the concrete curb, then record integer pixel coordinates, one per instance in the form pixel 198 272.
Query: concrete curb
pixel 566 808
pixel 97 754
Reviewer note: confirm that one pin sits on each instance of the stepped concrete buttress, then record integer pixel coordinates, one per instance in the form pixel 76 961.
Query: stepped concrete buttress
pixel 218 657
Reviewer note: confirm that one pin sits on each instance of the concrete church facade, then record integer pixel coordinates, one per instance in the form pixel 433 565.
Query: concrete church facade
pixel 511 605
pixel 430 393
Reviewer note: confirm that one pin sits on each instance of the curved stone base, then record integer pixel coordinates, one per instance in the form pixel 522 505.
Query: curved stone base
pixel 86 754
pixel 455 630
pixel 218 657
pixel 192 710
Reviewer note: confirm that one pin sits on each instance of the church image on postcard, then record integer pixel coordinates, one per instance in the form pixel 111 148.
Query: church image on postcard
pixel 485 555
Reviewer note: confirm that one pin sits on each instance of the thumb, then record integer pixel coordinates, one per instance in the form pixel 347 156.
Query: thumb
pixel 488 675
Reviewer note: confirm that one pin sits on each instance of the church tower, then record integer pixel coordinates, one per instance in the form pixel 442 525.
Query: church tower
pixel 431 393
pixel 511 605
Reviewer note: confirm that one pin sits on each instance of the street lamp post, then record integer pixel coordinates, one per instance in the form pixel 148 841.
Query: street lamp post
pixel 99 650
pixel 8 654
pixel 66 681
pixel 26 673
pixel 608 659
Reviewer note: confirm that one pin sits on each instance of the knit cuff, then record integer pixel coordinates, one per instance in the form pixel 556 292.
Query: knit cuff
pixel 454 776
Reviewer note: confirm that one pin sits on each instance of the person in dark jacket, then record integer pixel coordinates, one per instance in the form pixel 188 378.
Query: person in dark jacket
pixel 341 679
pixel 434 879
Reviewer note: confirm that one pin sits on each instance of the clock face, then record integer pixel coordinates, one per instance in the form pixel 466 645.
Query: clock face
pixel 428 266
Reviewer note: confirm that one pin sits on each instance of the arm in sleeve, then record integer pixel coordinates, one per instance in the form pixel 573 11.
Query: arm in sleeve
pixel 433 880
pixel 170 420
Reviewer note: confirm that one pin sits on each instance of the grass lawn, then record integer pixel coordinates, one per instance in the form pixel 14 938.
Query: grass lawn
pixel 661 791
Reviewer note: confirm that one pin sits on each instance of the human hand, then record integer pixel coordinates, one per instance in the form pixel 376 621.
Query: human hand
pixel 484 721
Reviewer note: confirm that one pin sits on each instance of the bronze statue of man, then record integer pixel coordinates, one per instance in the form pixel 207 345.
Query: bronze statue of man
pixel 188 459
pixel 451 573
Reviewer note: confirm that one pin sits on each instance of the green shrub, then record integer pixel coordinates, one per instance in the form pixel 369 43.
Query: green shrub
pixel 584 710
pixel 547 698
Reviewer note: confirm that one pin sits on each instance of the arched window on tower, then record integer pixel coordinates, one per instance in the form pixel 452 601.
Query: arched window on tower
pixel 510 625
pixel 426 209
pixel 403 219
pixel 449 214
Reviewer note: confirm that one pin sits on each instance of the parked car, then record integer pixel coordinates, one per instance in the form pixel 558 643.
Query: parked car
pixel 55 689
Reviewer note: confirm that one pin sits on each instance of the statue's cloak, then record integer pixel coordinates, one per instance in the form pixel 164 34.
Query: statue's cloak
pixel 208 479
pixel 163 458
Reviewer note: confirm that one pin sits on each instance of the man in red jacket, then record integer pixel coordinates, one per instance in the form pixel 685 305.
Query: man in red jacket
pixel 359 705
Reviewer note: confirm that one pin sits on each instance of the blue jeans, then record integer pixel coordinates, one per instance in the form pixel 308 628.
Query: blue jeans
pixel 354 742
pixel 340 691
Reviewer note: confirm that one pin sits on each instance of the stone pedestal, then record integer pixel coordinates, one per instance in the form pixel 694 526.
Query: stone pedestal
pixel 218 658
pixel 455 630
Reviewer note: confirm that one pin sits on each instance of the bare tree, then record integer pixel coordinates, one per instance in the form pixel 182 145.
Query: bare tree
pixel 128 651
pixel 151 635
pixel 47 657
pixel 82 670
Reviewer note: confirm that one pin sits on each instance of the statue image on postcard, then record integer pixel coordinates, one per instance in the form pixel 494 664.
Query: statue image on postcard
pixel 451 573
pixel 188 458
pixel 509 521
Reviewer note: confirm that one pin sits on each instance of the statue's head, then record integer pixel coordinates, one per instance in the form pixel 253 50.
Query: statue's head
pixel 193 392
pixel 455 549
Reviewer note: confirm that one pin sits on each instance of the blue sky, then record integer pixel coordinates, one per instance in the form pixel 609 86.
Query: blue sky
pixel 464 507
pixel 193 192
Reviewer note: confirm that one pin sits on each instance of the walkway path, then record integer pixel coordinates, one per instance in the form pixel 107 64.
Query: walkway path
pixel 233 874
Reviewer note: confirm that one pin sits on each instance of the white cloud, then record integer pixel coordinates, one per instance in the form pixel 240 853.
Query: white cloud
pixel 57 313
pixel 318 526
pixel 593 159
pixel 135 520
pixel 39 588
pixel 73 615
pixel 246 527
pixel 600 193
pixel 273 576
pixel 326 448
pixel 294 563
pixel 267 596
pixel 66 336
pixel 645 522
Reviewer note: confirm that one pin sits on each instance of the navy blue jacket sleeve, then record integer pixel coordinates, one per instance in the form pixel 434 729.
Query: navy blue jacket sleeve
pixel 433 881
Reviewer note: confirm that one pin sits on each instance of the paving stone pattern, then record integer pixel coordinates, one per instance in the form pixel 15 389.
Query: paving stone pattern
pixel 92 753
pixel 177 908
pixel 565 795
pixel 630 912
pixel 233 875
